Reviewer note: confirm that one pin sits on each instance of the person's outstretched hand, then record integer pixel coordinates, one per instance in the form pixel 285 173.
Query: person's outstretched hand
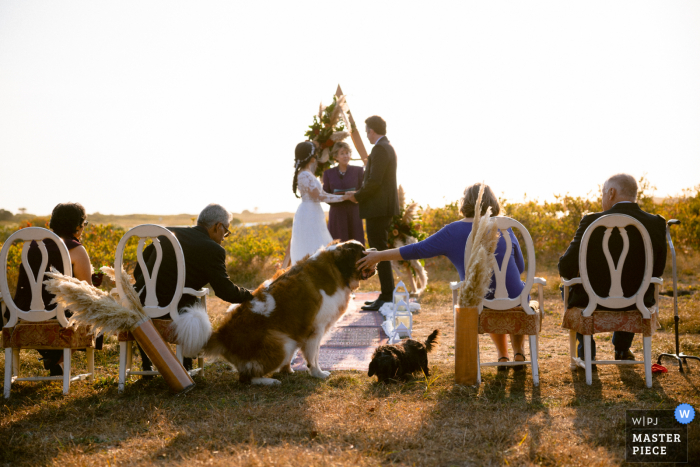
pixel 371 258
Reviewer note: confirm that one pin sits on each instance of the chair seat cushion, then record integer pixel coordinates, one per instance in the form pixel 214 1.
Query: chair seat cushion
pixel 610 320
pixel 47 335
pixel 511 321
pixel 163 326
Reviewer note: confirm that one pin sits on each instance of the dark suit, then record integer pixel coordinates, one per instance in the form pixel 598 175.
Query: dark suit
pixel 632 270
pixel 205 263
pixel 379 203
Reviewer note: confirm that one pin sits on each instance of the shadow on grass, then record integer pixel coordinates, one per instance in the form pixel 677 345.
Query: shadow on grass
pixel 469 425
pixel 219 412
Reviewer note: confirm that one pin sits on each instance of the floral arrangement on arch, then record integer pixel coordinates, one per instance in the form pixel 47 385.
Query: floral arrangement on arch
pixel 405 229
pixel 327 129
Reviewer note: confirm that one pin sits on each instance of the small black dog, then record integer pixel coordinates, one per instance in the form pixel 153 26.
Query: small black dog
pixel 402 360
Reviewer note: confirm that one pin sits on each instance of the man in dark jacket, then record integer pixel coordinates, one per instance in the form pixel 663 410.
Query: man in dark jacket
pixel 619 197
pixel 379 201
pixel 205 263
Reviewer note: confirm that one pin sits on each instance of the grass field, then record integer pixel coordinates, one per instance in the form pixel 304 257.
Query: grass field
pixel 350 419
pixel 132 220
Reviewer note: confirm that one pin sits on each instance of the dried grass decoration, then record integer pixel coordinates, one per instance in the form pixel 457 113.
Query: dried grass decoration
pixel 94 307
pixel 479 267
pixel 329 127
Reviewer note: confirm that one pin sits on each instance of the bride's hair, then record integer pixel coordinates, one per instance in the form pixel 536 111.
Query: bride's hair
pixel 302 154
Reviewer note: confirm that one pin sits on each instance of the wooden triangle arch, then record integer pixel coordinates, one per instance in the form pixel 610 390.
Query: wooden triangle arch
pixel 350 123
pixel 356 141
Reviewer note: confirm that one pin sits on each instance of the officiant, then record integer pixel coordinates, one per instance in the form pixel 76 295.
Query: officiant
pixel 344 222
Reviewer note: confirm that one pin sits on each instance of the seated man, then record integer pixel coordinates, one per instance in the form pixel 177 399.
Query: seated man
pixel 205 263
pixel 619 197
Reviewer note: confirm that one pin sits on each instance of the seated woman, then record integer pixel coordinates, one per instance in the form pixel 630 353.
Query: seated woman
pixel 67 221
pixel 450 241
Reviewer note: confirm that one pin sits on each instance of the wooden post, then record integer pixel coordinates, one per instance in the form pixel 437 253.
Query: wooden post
pixel 354 133
pixel 162 357
pixel 466 345
pixel 287 261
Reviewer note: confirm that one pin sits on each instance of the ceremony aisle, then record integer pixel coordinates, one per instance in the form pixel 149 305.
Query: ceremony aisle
pixel 350 343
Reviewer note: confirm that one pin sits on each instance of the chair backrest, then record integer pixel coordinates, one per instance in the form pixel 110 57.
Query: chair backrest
pixel 500 299
pixel 615 298
pixel 37 311
pixel 152 232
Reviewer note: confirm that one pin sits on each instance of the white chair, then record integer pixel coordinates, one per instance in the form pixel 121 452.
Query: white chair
pixel 505 315
pixel 591 320
pixel 144 233
pixel 36 328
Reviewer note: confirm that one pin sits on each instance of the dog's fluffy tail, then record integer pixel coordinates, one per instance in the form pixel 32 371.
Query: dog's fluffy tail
pixel 432 340
pixel 192 329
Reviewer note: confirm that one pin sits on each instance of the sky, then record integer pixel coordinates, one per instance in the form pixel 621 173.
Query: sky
pixel 163 107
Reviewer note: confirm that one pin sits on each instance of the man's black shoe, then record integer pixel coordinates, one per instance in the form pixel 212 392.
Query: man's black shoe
pixel 187 363
pixel 374 307
pixel 370 302
pixel 624 355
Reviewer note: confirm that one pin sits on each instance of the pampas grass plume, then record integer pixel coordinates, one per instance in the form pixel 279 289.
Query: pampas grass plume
pixel 402 196
pixel 478 270
pixel 131 299
pixel 90 305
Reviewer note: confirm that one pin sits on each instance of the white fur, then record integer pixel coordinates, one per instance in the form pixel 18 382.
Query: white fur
pixel 192 329
pixel 263 308
pixel 318 253
pixel 267 283
pixel 290 349
pixel 265 381
pixel 253 367
pixel 233 307
pixel 332 308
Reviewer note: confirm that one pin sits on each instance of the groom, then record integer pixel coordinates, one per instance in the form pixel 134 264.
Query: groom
pixel 379 201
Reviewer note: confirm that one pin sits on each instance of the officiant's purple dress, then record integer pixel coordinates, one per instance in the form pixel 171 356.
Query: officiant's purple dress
pixel 344 221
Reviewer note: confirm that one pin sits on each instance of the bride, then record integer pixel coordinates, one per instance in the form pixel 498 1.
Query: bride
pixel 309 230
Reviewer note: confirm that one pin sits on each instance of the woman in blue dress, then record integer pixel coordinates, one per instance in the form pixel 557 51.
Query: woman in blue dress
pixel 450 241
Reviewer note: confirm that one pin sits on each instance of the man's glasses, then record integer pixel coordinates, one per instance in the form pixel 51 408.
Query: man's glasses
pixel 227 231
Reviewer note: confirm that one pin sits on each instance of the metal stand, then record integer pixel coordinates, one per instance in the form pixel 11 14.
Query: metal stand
pixel 679 356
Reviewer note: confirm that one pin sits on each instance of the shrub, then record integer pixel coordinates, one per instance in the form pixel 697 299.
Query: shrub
pixel 255 252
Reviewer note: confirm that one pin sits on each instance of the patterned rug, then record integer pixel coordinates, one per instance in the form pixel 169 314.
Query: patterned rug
pixel 349 345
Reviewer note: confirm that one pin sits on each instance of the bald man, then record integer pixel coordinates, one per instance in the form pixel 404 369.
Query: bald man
pixel 619 197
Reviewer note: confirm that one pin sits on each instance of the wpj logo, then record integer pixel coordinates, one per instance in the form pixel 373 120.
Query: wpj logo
pixel 656 436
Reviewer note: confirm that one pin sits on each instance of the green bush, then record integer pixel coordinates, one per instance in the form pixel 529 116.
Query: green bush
pixel 254 253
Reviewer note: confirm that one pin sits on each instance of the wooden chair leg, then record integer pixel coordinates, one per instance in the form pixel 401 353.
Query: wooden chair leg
pixel 66 370
pixel 8 372
pixel 90 354
pixel 587 359
pixel 122 365
pixel 572 350
pixel 533 359
pixel 15 362
pixel 200 364
pixel 647 360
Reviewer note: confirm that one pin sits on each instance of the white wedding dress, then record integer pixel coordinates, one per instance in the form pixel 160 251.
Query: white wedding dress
pixel 309 230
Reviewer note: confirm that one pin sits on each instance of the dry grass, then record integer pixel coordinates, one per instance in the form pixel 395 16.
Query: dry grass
pixel 349 419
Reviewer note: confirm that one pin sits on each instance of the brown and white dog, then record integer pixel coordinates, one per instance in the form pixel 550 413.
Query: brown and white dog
pixel 292 311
